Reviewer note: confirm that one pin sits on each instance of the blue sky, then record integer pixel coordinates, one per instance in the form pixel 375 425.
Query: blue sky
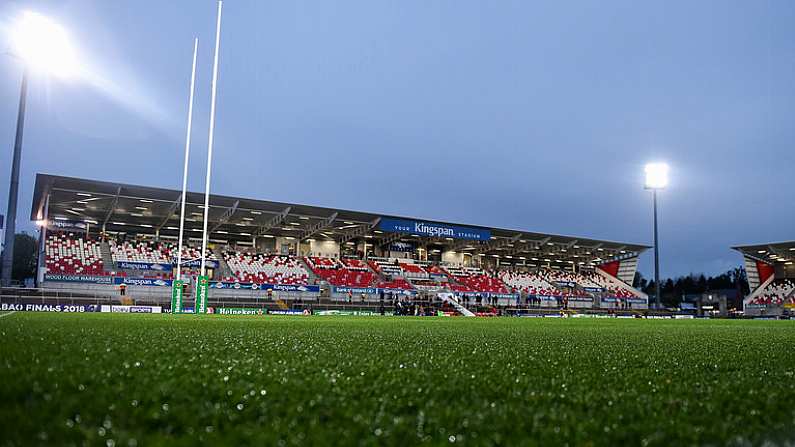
pixel 527 115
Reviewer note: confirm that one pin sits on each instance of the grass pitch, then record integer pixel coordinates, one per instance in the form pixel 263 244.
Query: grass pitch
pixel 129 380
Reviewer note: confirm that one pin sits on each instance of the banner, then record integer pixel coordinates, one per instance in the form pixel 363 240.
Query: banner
pixel 176 296
pixel 356 290
pixel 289 312
pixel 144 266
pixel 428 229
pixel 202 285
pixel 209 263
pixel 132 309
pixel 368 313
pixel 132 281
pixel 593 289
pixel 510 296
pixel 274 287
pixel 238 311
pixel 65 308
pixel 162 267
pixel 401 246
pixel 89 279
pixel 67 225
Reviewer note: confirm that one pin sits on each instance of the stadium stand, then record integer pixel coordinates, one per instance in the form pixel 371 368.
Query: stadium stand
pixel 345 273
pixel 776 293
pixel 355 264
pixel 139 251
pixel 532 283
pixel 411 270
pixel 395 283
pixel 476 280
pixel 265 269
pixel 611 287
pixel 325 246
pixel 69 254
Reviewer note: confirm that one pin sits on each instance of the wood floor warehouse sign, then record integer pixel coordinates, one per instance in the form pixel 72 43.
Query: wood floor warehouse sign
pixel 432 229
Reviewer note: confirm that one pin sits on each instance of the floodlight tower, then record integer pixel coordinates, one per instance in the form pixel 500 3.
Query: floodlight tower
pixel 43 46
pixel 656 179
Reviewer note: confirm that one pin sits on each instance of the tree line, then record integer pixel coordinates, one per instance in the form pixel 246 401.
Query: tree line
pixel 674 290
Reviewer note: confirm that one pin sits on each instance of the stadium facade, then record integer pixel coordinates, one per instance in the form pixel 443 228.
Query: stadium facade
pixel 770 269
pixel 100 235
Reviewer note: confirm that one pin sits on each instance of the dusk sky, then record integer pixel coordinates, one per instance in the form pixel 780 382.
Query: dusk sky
pixel 527 115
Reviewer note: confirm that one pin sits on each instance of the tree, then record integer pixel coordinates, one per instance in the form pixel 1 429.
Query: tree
pixel 25 248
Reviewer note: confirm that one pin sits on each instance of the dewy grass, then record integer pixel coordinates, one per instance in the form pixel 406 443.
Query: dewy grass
pixel 130 380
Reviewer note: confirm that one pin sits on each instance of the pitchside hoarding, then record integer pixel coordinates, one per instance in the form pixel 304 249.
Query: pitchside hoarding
pixel 163 267
pixel 87 279
pixel 429 229
pixel 274 287
pixel 65 308
pixel 132 309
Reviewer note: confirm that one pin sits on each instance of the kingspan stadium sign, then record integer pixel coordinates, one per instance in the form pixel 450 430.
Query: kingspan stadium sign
pixel 422 228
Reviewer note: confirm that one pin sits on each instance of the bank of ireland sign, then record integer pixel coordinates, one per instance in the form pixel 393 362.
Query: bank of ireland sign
pixel 431 229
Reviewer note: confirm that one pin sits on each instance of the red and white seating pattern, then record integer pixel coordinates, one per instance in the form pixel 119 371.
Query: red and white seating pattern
pixel 139 251
pixel 387 267
pixel 355 264
pixel 411 270
pixel 532 283
pixel 776 293
pixel 611 286
pixel 395 283
pixel 265 269
pixel 68 254
pixel 316 262
pixel 153 252
pixel 343 273
pixel 476 280
pixel 190 252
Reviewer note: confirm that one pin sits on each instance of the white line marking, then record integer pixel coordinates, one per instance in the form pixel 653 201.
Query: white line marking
pixel 7 314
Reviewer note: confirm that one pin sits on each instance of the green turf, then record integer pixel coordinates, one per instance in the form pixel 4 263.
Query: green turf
pixel 187 380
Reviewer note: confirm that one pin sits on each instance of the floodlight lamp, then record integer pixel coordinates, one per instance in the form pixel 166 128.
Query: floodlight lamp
pixel 656 175
pixel 44 45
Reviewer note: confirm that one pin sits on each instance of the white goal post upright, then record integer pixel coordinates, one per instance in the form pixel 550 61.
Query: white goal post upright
pixel 178 276
pixel 203 286
pixel 176 286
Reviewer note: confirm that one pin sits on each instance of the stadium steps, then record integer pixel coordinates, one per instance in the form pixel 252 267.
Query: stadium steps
pixel 621 284
pixel 313 278
pixel 107 258
pixel 758 291
pixel 223 271
pixel 450 298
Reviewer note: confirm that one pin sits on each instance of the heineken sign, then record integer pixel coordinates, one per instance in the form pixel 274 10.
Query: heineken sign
pixel 176 296
pixel 432 229
pixel 202 286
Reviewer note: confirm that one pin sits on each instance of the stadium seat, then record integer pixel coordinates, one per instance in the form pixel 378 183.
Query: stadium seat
pixel 265 269
pixel 345 273
pixel 776 293
pixel 70 254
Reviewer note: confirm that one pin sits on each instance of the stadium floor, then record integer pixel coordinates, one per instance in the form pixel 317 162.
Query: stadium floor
pixel 128 380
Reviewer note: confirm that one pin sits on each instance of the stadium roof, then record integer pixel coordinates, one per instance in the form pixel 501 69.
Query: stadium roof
pixel 142 209
pixel 772 252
